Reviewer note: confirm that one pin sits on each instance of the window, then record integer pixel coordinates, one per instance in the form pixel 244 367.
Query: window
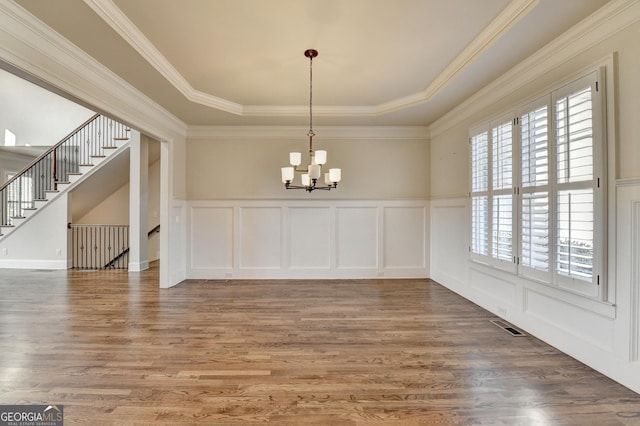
pixel 537 201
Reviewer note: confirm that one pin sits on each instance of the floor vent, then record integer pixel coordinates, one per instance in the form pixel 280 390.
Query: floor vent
pixel 508 328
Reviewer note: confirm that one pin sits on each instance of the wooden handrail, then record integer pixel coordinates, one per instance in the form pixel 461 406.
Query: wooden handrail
pixel 47 152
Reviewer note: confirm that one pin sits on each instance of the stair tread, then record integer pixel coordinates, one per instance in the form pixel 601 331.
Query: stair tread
pixel 120 139
pixel 85 165
pixel 110 147
pixel 98 156
pixel 29 208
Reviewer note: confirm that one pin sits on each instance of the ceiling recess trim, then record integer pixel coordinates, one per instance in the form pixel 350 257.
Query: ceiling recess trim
pixel 116 19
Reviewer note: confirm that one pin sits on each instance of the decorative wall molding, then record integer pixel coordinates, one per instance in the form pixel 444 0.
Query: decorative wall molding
pixel 55 61
pixel 116 19
pixel 634 334
pixel 604 23
pixel 627 182
pixel 299 132
pixel 320 239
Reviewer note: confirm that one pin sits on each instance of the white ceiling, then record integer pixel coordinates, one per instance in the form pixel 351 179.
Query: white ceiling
pixel 240 62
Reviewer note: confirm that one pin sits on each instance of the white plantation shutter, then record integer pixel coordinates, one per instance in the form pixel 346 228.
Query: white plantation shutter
pixel 492 208
pixel 534 200
pixel 537 189
pixel 502 209
pixel 576 147
pixel 479 194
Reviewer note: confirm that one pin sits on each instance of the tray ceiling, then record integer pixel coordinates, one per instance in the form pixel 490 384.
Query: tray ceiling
pixel 241 62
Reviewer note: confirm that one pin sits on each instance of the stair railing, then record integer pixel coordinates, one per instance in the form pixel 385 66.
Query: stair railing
pixel 101 246
pixel 113 263
pixel 94 246
pixel 54 166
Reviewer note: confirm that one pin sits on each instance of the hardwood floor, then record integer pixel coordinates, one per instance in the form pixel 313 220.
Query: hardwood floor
pixel 114 349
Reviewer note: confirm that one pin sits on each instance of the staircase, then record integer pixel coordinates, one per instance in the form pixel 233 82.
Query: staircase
pixel 59 169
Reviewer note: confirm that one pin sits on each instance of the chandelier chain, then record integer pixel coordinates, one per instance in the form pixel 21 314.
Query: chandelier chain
pixel 311 96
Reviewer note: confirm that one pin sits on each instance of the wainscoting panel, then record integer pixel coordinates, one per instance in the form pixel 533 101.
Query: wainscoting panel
pixel 449 241
pixel 214 246
pixel 260 237
pixel 404 237
pixel 578 322
pixel 357 237
pixel 314 239
pixel 309 246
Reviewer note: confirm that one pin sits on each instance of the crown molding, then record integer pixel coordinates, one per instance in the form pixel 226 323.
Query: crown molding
pixel 602 24
pixel 299 132
pixel 119 22
pixel 511 15
pixel 29 45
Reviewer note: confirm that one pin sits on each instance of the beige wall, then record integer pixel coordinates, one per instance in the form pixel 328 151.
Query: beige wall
pixel 449 149
pixel 250 168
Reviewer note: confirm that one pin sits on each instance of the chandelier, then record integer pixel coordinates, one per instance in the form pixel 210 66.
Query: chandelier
pixel 317 159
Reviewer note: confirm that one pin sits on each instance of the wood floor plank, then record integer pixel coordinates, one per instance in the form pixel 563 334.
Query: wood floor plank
pixel 114 349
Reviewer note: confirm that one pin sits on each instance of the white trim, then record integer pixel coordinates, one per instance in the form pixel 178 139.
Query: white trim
pixel 138 266
pixel 627 182
pixel 605 22
pixel 119 22
pixel 32 264
pixel 634 332
pixel 298 132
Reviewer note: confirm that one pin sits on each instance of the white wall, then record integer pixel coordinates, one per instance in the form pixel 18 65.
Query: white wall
pixel 17 249
pixel 36 116
pixel 604 335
